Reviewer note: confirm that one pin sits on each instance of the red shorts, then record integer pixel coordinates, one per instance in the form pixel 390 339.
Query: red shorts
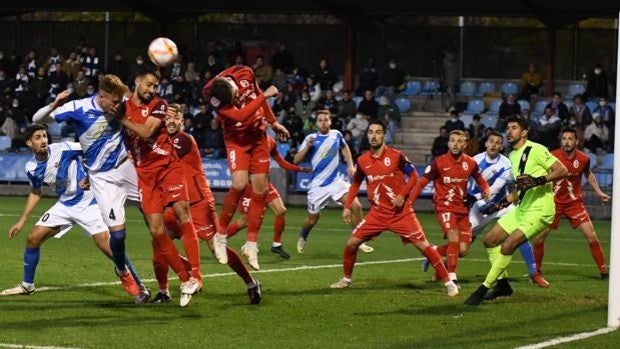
pixel 252 157
pixel 204 218
pixel 575 212
pixel 244 201
pixel 404 224
pixel 453 220
pixel 161 187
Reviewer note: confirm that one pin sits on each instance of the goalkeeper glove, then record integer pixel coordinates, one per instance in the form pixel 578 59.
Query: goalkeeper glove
pixel 469 200
pixel 525 182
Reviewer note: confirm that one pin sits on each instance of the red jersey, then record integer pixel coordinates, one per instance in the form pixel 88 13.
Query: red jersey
pixel 450 178
pixel 385 178
pixel 273 152
pixel 250 108
pixel 155 151
pixel 568 189
pixel 191 163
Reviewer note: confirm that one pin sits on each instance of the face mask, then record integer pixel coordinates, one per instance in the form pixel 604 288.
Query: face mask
pixel 573 122
pixel 90 92
pixel 305 99
pixel 602 104
pixel 70 90
pixel 597 71
pixel 15 105
pixel 139 61
pixel 453 119
pixel 392 65
pixel 1 55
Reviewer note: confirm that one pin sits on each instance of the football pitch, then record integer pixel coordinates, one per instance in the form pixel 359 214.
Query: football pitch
pixel 391 303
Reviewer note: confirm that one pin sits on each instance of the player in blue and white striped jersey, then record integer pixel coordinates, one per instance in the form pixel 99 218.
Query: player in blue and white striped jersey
pixel 113 180
pixel 323 149
pixel 59 166
pixel 496 169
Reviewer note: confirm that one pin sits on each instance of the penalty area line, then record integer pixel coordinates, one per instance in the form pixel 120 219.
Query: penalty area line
pixel 566 339
pixel 22 346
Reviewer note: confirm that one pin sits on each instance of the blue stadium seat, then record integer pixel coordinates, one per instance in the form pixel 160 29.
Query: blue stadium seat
pixel 524 104
pixel 604 179
pixel 430 88
pixel 467 88
pixel 593 160
pixel 54 129
pixel 494 107
pixel 413 88
pixel 467 119
pixel 403 104
pixel 574 89
pixel 613 105
pixel 484 88
pixel 539 109
pixel 271 100
pixel 5 142
pixel 591 105
pixel 608 162
pixel 569 104
pixel 283 148
pixel 508 88
pixel 474 106
pixel 357 100
pixel 489 120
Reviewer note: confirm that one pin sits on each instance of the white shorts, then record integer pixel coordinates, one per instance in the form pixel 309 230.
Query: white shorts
pixel 478 221
pixel 318 197
pixel 112 188
pixel 64 217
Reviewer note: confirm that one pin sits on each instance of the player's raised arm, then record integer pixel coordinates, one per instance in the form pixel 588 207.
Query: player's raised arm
pixel 42 116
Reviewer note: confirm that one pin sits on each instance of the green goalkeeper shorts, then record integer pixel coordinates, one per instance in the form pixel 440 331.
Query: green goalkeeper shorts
pixel 529 222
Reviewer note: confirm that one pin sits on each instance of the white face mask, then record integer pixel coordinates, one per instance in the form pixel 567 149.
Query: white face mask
pixel 15 105
pixel 392 65
pixel 453 119
pixel 573 122
pixel 597 71
pixel 602 104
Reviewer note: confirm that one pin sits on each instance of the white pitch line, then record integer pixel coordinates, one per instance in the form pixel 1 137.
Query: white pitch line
pixel 575 337
pixel 22 346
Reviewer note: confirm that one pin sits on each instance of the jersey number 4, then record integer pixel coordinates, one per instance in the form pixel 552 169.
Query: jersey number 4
pixel 112 216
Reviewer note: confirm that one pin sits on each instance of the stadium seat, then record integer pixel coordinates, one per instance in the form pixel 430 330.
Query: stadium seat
pixel 271 100
pixel 489 120
pixel 467 119
pixel 591 105
pixel 569 104
pixel 430 88
pixel 509 87
pixel 608 162
pixel 484 88
pixel 357 100
pixel 474 106
pixel 604 179
pixel 539 109
pixel 403 104
pixel 574 89
pixel 467 88
pixel 494 107
pixel 613 105
pixel 54 129
pixel 593 160
pixel 283 148
pixel 524 104
pixel 413 88
pixel 5 142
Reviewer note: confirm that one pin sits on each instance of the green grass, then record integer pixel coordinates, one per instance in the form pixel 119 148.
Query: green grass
pixel 390 305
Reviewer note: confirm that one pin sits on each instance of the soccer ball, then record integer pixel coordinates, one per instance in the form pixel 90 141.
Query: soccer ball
pixel 163 51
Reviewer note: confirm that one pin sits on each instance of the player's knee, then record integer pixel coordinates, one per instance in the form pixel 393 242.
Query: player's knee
pixel 508 248
pixel 33 241
pixel 280 211
pixel 463 251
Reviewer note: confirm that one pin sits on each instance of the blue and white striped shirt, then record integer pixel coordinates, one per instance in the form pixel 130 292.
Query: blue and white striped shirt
pixel 324 156
pixel 497 173
pixel 62 171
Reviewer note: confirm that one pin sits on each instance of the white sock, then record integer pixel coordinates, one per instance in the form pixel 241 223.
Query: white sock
pixel 251 244
pixel 27 285
pixel 276 244
pixel 452 276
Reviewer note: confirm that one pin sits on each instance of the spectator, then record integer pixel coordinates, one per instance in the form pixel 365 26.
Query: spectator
pixel 181 90
pixel 279 80
pixel 597 83
pixel 31 64
pixel 531 81
pixel 14 125
pixel 72 66
pixel 348 138
pixel 358 127
pixel 476 128
pixel 608 117
pixel 509 107
pixel 40 85
pixel 294 124
pixel 304 106
pixel 118 67
pixel 549 129
pixel 596 135
pixel 22 78
pixel 133 69
pixel 325 75
pixel 280 106
pixel 392 81
pixel 314 89
pixel 348 104
pixel 238 60
pixel 213 145
pixel 473 147
pixel 581 111
pixel 52 60
pixel 59 79
pixel 165 89
pixel 80 84
pixel 559 108
pixel 177 69
pixel 450 69
pixel 368 78
pixel 440 143
pixel 337 122
pixel 263 73
pixel 369 105
pixel 485 135
pixel 91 64
pixel 455 122
pixel 389 113
pixel 12 64
pixel 5 80
pixel 220 56
pixel 329 102
pixel 213 66
pixel 283 59
pixel 191 74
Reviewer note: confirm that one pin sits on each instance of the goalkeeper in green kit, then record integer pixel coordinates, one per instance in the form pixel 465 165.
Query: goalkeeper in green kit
pixel 534 168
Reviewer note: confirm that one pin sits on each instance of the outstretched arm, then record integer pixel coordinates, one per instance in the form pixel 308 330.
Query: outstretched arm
pixel 31 202
pixel 42 116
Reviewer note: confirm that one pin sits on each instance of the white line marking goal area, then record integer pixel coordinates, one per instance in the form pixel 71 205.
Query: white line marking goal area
pixel 575 337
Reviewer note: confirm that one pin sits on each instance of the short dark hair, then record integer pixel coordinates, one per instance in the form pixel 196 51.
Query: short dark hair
pixel 523 123
pixel 222 91
pixel 570 130
pixel 148 70
pixel 376 122
pixel 30 130
pixel 497 134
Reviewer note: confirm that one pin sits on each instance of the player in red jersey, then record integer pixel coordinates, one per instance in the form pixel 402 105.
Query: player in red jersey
pixel 384 169
pixel 243 111
pixel 450 173
pixel 160 177
pixel 202 208
pixel 274 201
pixel 569 200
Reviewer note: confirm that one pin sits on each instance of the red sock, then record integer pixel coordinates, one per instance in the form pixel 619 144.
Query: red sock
pixel 348 261
pixel 256 212
pixel 442 250
pixel 185 261
pixel 192 249
pixel 160 267
pixel 169 251
pixel 279 223
pixel 539 253
pixel 235 263
pixel 229 206
pixel 452 254
pixel 233 229
pixel 598 256
pixel 435 259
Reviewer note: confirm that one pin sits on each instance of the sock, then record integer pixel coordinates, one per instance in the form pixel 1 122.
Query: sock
pixel 539 253
pixel 117 245
pixel 452 253
pixel 442 250
pixel 233 229
pixel 279 223
pixel 256 212
pixel 528 256
pixel 236 264
pixel 160 267
pixel 493 253
pixel 598 256
pixel 31 259
pixel 304 233
pixel 348 261
pixel 435 260
pixel 133 271
pixel 171 254
pixel 498 268
pixel 229 206
pixel 276 244
pixel 192 249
